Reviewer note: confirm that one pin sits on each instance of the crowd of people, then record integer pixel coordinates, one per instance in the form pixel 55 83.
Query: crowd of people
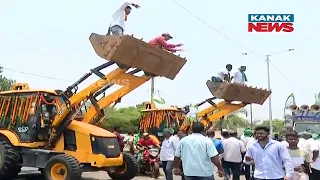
pixel 199 155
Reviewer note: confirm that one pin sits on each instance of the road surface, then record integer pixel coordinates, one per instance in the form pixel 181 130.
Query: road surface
pixel 33 174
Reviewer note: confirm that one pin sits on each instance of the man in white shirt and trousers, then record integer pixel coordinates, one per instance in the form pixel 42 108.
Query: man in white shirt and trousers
pixel 120 17
pixel 223 75
pixel 240 76
pixel 167 152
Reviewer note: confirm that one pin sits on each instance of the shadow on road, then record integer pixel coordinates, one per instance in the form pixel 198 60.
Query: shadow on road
pixel 40 177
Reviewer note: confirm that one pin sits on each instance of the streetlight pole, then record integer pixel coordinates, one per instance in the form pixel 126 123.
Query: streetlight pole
pixel 251 117
pixel 269 87
pixel 251 113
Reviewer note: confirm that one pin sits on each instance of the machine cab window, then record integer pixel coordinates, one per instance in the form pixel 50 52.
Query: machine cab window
pixel 30 113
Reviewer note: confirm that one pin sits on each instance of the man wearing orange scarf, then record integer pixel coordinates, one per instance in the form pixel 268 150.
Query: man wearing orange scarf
pixel 120 17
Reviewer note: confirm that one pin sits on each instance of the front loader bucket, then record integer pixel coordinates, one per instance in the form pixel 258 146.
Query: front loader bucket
pixel 135 53
pixel 238 92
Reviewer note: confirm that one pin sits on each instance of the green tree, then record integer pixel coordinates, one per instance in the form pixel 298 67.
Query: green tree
pixel 233 121
pixel 126 118
pixel 277 125
pixel 5 83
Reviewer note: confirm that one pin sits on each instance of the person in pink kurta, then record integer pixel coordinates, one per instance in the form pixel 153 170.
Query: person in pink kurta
pixel 161 42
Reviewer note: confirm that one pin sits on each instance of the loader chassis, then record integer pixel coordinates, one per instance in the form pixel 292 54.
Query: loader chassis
pixel 42 128
pixel 25 129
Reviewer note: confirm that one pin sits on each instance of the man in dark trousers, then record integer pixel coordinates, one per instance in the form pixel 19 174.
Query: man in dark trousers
pixel 232 155
pixel 223 75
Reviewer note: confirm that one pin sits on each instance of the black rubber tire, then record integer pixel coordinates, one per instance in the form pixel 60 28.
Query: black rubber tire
pixel 72 165
pixel 10 161
pixel 131 165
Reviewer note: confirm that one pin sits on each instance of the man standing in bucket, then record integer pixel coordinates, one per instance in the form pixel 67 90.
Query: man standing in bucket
pixel 120 17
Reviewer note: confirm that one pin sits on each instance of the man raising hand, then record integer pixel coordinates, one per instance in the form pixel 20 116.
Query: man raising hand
pixel 120 17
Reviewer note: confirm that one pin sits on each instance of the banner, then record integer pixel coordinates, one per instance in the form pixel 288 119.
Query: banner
pixel 290 101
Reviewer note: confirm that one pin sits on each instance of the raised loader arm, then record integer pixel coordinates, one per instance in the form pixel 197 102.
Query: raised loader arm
pixel 126 52
pixel 229 93
pixel 216 111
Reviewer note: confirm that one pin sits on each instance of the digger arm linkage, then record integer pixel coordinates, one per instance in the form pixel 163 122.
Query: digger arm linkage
pixel 75 98
pixel 133 83
pixel 215 112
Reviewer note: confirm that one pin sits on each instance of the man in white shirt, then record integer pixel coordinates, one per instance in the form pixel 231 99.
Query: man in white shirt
pixel 129 143
pixel 223 75
pixel 315 165
pixel 239 76
pixel 232 155
pixel 247 139
pixel 312 147
pixel 224 134
pixel 120 17
pixel 168 148
pixel 302 139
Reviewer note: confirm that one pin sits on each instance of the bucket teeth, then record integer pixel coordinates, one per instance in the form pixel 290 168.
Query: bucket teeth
pixel 131 35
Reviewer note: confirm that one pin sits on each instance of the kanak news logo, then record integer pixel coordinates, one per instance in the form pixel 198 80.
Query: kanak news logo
pixel 270 22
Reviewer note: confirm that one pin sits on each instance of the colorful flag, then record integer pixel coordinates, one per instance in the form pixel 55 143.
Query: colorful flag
pixel 290 101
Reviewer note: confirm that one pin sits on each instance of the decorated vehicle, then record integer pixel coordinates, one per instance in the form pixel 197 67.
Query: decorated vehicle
pixel 304 117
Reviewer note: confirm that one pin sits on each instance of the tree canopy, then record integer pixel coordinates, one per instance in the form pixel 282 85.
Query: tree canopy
pixel 5 83
pixel 126 118
pixel 277 125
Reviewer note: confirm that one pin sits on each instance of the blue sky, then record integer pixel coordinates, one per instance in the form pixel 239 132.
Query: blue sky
pixel 51 38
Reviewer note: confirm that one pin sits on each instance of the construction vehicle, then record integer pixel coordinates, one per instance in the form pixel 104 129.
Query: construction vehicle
pixel 231 97
pixel 153 120
pixel 41 128
pixel 303 118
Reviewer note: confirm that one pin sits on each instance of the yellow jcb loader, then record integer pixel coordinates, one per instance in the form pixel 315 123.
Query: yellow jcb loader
pixel 227 98
pixel 38 127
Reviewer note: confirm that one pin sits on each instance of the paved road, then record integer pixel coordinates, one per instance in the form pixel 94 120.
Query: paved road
pixel 33 174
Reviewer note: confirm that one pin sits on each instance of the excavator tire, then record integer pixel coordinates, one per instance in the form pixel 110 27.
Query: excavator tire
pixel 128 170
pixel 62 166
pixel 10 161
